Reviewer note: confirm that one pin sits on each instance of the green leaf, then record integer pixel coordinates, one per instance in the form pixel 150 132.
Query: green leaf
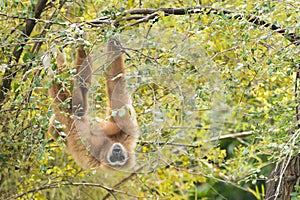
pixel 121 112
pixel 27 57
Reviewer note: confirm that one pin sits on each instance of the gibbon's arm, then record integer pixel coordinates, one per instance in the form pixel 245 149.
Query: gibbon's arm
pixel 119 99
pixel 82 82
pixel 116 73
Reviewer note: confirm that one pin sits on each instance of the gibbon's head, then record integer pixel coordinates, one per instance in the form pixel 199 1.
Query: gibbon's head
pixel 118 157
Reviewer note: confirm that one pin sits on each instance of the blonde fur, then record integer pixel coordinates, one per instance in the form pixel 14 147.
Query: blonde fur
pixel 111 143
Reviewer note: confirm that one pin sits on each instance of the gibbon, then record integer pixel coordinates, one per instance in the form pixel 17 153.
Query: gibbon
pixel 110 143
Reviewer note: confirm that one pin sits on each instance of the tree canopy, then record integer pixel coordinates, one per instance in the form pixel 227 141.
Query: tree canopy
pixel 215 85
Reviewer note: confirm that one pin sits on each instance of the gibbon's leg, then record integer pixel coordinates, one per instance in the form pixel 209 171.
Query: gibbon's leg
pixel 60 95
pixel 82 82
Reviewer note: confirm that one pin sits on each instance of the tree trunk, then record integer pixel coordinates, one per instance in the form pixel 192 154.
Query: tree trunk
pixel 283 179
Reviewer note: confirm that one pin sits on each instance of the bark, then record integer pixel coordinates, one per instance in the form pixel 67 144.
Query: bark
pixel 283 179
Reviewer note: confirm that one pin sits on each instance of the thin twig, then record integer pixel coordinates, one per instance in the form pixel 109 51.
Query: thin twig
pixel 59 184
pixel 36 20
pixel 122 182
pixel 213 139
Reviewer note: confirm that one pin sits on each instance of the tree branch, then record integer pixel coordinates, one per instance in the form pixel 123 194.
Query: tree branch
pixel 59 184
pixel 179 11
pixel 36 20
pixel 213 139
pixel 292 37
pixel 122 182
pixel 145 19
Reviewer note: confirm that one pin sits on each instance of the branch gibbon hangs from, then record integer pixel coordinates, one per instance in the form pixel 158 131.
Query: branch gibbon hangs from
pixel 110 143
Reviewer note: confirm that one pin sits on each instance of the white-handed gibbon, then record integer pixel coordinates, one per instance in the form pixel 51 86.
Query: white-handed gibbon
pixel 110 143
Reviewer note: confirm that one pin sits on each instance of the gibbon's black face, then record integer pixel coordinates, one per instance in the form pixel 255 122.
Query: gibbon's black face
pixel 117 155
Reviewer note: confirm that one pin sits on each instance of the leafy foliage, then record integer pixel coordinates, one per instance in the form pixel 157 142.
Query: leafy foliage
pixel 194 78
